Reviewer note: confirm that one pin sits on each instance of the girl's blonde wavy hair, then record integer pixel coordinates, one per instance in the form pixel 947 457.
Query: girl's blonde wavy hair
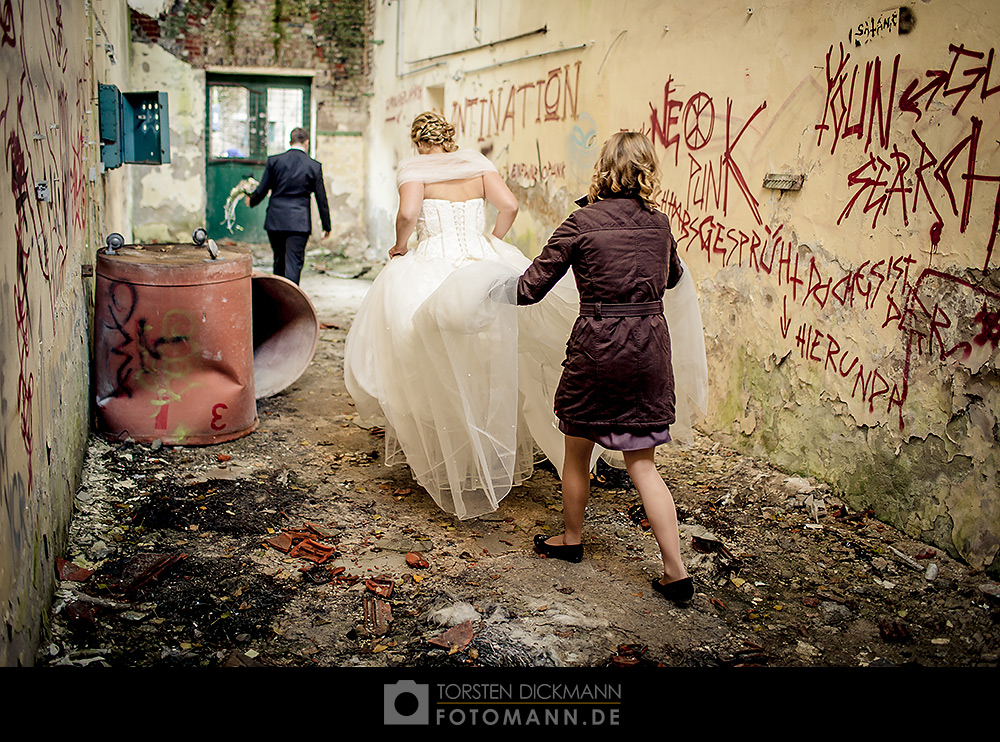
pixel 431 127
pixel 625 167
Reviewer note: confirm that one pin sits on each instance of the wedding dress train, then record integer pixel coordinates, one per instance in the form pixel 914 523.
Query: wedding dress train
pixel 464 378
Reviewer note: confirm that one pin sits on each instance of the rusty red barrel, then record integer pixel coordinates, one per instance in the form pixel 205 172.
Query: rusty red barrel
pixel 173 340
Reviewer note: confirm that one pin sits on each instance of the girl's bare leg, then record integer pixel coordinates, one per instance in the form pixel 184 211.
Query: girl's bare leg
pixel 660 510
pixel 575 490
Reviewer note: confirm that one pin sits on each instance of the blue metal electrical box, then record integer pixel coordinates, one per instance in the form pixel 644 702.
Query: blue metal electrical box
pixel 134 127
pixel 147 128
pixel 109 109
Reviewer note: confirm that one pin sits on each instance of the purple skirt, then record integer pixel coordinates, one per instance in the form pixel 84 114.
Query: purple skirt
pixel 621 439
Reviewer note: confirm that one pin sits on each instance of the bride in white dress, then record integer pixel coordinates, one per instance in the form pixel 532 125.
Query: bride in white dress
pixel 464 378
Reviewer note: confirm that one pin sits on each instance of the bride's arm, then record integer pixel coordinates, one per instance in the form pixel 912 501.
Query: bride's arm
pixel 411 195
pixel 498 194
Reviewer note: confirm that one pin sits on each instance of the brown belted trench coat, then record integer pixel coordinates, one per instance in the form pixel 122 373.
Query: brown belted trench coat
pixel 617 373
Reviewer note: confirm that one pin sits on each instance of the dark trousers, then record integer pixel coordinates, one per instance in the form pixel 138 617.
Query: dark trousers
pixel 289 250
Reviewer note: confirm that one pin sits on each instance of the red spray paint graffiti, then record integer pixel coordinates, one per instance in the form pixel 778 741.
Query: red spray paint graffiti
pixel 41 127
pixel 861 106
pixel 552 98
pixel 939 317
pixel 698 116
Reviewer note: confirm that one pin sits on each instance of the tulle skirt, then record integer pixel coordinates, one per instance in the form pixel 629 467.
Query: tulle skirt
pixel 466 380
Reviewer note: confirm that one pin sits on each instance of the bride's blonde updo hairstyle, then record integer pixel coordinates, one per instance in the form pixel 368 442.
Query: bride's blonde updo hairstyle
pixel 625 167
pixel 433 128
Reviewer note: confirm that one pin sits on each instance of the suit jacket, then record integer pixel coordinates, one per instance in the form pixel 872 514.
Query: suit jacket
pixel 617 372
pixel 292 177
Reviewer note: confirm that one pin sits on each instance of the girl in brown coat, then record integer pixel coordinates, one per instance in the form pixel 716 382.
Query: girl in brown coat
pixel 617 386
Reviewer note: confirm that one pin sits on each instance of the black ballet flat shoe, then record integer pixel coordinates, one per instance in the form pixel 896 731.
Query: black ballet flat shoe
pixel 569 553
pixel 679 591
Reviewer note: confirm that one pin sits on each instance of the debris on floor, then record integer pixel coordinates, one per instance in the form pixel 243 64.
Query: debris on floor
pixel 298 546
pixel 454 639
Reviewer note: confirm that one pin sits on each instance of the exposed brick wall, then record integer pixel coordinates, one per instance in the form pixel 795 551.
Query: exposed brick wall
pixel 247 33
pixel 145 28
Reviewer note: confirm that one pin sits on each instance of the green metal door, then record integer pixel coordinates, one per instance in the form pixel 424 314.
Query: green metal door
pixel 247 119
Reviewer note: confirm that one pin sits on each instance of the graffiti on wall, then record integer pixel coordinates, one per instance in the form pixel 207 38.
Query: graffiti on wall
pixel 13 495
pixel 553 97
pixel 528 174
pixel 938 317
pixel 861 106
pixel 395 105
pixel 874 27
pixel 693 121
pixel 42 134
pixel 582 147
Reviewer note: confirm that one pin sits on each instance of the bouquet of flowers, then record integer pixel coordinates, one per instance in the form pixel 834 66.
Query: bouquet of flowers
pixel 242 189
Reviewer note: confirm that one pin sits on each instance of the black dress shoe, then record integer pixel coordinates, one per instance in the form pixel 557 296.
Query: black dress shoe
pixel 679 591
pixel 570 553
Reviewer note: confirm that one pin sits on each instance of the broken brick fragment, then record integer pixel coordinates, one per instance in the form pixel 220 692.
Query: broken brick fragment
pixel 416 560
pixel 380 586
pixel 70 571
pixel 143 569
pixel 377 615
pixel 290 541
pixel 456 638
pixel 313 551
pixel 892 630
pixel 282 542
pixel 82 614
pixel 628 655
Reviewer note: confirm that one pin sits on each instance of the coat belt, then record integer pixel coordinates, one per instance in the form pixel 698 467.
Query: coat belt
pixel 639 309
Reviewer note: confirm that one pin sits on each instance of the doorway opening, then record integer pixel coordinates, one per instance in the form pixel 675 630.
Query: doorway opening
pixel 248 118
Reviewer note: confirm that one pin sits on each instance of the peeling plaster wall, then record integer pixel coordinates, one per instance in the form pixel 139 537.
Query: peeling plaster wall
pixel 52 54
pixel 343 171
pixel 853 325
pixel 169 200
pixel 150 7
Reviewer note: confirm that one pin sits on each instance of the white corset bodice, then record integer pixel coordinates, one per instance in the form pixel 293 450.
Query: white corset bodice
pixel 452 231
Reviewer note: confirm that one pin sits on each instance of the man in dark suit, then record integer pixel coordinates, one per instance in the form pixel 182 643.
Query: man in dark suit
pixel 291 178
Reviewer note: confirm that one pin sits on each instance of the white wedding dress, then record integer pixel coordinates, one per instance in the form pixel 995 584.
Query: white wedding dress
pixel 464 378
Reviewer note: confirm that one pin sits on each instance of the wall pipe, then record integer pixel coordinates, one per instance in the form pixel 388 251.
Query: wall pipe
pixel 543 29
pixel 527 56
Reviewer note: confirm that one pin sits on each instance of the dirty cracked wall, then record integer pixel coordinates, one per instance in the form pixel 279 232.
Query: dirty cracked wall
pixel 50 212
pixel 169 200
pixel 853 324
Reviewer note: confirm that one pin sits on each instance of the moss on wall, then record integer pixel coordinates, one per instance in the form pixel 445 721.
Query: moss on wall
pixel 313 34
